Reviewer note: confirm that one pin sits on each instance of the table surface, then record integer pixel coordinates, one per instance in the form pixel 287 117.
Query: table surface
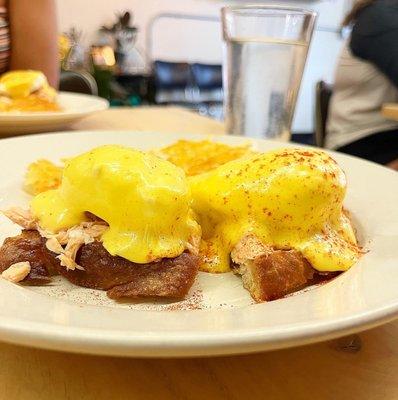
pixel 358 367
pixel 151 119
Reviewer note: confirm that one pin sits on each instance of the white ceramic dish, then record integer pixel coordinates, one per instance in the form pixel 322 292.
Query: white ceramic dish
pixel 75 106
pixel 62 316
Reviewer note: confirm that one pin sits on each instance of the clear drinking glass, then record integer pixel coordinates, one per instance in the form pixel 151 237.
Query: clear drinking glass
pixel 265 49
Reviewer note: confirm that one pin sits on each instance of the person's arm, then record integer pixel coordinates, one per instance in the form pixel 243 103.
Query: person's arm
pixel 374 38
pixel 34 37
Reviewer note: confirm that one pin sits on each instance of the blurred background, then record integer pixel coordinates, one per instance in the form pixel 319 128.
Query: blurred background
pixel 170 52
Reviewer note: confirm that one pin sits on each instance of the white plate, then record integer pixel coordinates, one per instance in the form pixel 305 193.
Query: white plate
pixel 65 317
pixel 75 106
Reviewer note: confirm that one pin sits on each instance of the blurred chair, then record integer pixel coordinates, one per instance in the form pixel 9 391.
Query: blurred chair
pixel 172 75
pixel 173 82
pixel 208 95
pixel 323 93
pixel 78 82
pixel 207 76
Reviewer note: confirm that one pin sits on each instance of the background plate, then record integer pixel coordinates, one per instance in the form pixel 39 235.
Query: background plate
pixel 75 106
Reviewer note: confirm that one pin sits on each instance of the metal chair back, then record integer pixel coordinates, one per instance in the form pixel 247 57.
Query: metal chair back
pixel 323 93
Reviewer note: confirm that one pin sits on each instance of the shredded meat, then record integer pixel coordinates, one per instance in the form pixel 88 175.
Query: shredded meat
pixel 16 272
pixel 171 278
pixel 29 246
pixel 73 239
pixel 22 217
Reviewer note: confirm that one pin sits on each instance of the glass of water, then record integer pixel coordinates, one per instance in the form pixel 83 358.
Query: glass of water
pixel 265 49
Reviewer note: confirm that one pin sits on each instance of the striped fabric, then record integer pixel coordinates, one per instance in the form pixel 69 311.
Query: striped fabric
pixel 4 40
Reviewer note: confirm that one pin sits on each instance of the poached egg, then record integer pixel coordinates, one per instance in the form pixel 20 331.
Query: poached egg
pixel 21 83
pixel 288 199
pixel 145 200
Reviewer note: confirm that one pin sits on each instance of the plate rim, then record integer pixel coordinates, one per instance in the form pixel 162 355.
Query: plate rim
pixel 114 343
pixel 121 343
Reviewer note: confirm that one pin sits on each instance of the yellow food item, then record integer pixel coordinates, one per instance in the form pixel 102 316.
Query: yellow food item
pixel 32 103
pixel 42 175
pixel 17 84
pixel 197 157
pixel 288 198
pixel 27 90
pixel 192 157
pixel 64 46
pixel 145 200
pixel 4 103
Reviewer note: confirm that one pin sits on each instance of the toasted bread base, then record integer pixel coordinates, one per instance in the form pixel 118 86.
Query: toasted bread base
pixel 167 278
pixel 270 274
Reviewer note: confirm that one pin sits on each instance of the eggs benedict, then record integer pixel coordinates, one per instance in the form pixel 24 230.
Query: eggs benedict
pixel 285 200
pixel 119 214
pixel 144 200
pixel 132 223
pixel 26 90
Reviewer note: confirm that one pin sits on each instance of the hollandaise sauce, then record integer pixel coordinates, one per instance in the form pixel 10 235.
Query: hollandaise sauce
pixel 289 198
pixel 145 200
